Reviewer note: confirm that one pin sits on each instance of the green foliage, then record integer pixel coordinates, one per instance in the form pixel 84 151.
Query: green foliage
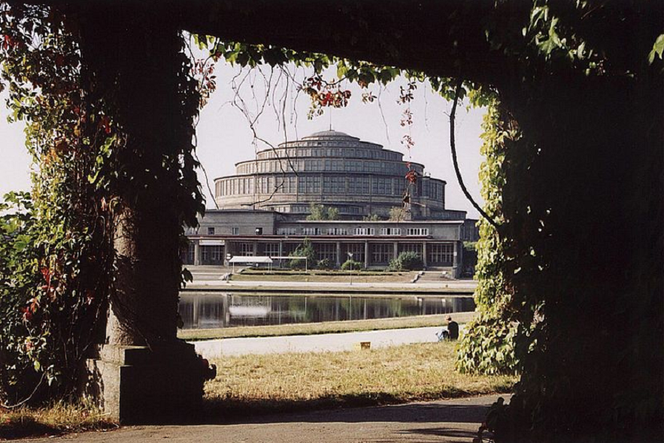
pixel 306 249
pixel 351 265
pixel 325 263
pixel 488 345
pixel 406 261
pixel 657 49
pixel 57 270
pixel 371 217
pixel 319 212
pixel 398 213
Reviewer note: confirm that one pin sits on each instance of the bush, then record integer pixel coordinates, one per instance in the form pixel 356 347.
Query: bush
pixel 325 263
pixel 351 265
pixel 406 261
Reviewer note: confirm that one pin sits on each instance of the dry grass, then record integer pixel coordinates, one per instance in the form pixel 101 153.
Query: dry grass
pixel 419 321
pixel 286 382
pixel 52 420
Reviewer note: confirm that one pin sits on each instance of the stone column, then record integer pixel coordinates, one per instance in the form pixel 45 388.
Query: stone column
pixel 338 254
pixel 395 252
pixel 197 253
pixel 456 268
pixel 143 373
pixel 366 254
pixel 424 253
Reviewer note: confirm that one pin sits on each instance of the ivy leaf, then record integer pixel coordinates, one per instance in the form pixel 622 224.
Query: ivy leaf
pixel 657 49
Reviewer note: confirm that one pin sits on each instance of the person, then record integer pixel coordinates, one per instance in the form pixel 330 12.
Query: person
pixel 452 328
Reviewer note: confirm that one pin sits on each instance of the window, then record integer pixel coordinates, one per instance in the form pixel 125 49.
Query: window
pixel 411 247
pixel 381 253
pixel 440 253
pixel 235 231
pixel 357 249
pixel 246 249
pixel 286 231
pixel 390 231
pixel 326 251
pixel 417 231
pixel 271 249
pixel 364 231
pixel 337 231
pixel 211 230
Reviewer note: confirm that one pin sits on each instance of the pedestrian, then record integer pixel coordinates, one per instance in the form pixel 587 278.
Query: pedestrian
pixel 452 328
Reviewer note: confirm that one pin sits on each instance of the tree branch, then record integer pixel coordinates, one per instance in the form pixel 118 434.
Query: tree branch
pixel 455 161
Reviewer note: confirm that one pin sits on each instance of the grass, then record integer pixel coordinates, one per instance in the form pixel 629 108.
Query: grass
pixel 304 381
pixel 59 418
pixel 327 276
pixel 294 382
pixel 419 321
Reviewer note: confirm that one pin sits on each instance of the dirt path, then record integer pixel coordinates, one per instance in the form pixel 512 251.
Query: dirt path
pixel 448 421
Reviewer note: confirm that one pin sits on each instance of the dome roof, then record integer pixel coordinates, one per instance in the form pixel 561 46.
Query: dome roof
pixel 330 134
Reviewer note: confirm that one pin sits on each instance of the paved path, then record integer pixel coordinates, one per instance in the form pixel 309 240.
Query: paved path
pixel 315 343
pixel 447 421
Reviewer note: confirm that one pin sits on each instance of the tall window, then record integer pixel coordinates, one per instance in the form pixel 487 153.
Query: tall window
pixel 381 252
pixel 326 251
pixel 246 249
pixel 440 253
pixel 357 249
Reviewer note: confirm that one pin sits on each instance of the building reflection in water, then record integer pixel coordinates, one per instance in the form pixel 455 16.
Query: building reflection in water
pixel 205 310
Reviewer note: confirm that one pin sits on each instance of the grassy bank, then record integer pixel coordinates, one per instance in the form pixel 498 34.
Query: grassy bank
pixel 419 321
pixel 289 382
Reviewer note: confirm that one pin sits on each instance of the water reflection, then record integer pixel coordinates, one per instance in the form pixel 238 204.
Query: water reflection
pixel 201 310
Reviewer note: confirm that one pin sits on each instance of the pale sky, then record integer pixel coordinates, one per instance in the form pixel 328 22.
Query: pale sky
pixel 225 137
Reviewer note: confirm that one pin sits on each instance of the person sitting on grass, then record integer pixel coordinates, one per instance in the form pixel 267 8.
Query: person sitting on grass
pixel 452 328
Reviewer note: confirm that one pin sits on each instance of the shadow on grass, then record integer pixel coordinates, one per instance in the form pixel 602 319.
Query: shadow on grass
pixel 28 427
pixel 457 408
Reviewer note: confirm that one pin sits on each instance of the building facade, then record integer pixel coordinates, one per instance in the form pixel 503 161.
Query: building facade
pixel 264 207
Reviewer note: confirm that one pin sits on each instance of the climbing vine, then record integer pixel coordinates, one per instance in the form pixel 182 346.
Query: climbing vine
pixel 58 272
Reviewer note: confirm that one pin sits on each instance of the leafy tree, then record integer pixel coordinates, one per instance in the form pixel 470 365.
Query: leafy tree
pixel 371 217
pixel 398 213
pixel 320 212
pixel 306 249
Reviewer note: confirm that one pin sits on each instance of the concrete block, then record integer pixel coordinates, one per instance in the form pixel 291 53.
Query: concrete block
pixel 139 385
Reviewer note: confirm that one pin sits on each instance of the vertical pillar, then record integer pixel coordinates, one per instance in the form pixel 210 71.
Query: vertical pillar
pixel 197 252
pixel 424 253
pixel 456 269
pixel 366 254
pixel 395 251
pixel 142 372
pixel 255 248
pixel 338 254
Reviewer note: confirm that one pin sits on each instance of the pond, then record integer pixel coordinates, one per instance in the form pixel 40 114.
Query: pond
pixel 205 310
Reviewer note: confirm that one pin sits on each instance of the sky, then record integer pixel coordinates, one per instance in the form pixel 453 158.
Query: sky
pixel 225 136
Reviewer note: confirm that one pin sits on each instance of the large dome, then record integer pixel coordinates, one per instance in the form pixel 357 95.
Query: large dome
pixel 330 134
pixel 332 168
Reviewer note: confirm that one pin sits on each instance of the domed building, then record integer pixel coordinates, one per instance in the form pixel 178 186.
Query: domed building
pixel 265 208
pixel 336 170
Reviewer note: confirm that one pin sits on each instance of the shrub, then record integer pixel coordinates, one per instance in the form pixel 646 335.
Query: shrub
pixel 325 263
pixel 407 261
pixel 351 265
